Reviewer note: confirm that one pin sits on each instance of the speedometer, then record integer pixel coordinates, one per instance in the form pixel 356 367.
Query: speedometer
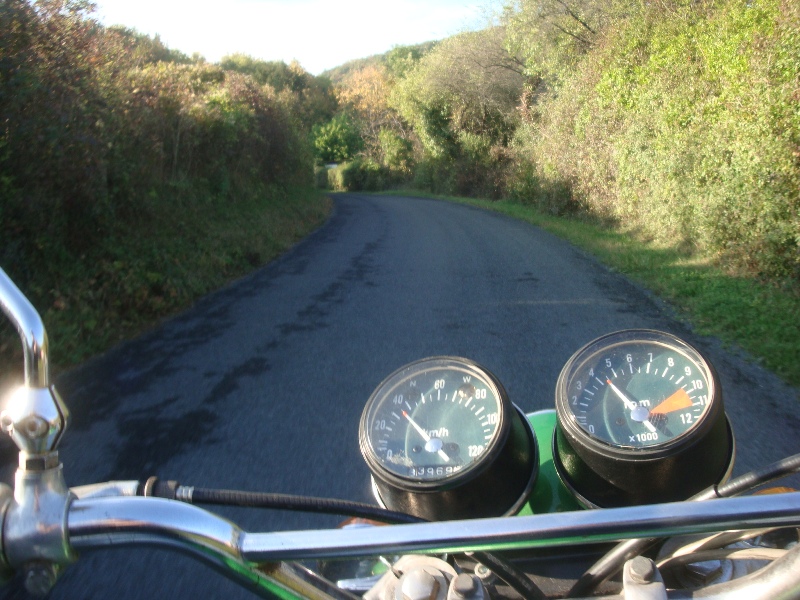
pixel 640 419
pixel 440 432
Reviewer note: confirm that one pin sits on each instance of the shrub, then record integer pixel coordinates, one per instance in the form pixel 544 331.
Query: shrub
pixel 358 175
pixel 683 124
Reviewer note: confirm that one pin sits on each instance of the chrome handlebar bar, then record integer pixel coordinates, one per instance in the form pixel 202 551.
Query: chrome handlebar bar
pixel 31 330
pixel 104 521
pixel 255 558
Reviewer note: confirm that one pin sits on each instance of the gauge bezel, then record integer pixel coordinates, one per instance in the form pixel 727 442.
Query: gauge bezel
pixel 612 341
pixel 383 392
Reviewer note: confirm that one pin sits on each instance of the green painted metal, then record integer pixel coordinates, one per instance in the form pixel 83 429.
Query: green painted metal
pixel 549 495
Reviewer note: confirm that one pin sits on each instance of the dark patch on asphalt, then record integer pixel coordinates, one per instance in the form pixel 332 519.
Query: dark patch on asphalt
pixel 169 436
pixel 93 390
pixel 151 436
pixel 528 277
pixel 252 367
pixel 313 316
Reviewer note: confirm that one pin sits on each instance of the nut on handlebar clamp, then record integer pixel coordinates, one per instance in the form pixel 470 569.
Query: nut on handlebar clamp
pixel 35 418
pixel 34 514
pixel 35 525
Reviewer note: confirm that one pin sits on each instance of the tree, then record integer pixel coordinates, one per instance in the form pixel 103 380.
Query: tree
pixel 365 93
pixel 469 84
pixel 310 99
pixel 401 59
pixel 336 141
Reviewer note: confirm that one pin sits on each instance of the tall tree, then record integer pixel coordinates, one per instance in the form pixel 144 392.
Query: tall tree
pixel 468 86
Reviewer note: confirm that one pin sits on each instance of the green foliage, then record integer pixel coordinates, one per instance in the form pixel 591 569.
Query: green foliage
pixel 144 49
pixel 337 140
pixel 461 100
pixel 551 36
pixel 359 174
pixel 108 134
pixel 468 84
pixel 397 151
pixel 684 125
pixel 400 60
pixel 273 73
pixel 397 61
pixel 310 100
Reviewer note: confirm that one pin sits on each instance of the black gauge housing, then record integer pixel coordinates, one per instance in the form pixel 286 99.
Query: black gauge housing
pixel 640 420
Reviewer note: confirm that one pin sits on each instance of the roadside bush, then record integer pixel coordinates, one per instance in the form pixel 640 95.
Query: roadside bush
pixel 683 124
pixel 108 137
pixel 337 140
pixel 321 177
pixel 359 174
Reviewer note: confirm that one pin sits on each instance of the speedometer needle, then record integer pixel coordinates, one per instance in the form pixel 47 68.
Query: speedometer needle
pixel 638 413
pixel 426 437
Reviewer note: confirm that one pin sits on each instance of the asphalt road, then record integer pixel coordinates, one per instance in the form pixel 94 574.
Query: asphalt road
pixel 261 385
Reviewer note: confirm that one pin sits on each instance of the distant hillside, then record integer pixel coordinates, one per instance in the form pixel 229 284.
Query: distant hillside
pixel 343 71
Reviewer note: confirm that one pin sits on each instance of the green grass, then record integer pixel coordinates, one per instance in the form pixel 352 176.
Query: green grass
pixel 762 319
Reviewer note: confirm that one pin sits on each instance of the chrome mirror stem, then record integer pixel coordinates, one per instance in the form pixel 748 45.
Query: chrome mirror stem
pixel 31 330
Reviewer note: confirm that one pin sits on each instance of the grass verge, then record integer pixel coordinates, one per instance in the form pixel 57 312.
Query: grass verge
pixel 156 268
pixel 762 319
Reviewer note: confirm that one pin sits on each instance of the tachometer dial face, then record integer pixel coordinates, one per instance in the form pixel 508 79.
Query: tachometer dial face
pixel 434 421
pixel 639 393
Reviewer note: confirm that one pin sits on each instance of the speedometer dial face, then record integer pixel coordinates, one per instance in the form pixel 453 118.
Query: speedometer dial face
pixel 639 393
pixel 434 422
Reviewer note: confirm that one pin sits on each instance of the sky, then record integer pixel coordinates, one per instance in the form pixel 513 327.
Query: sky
pixel 319 34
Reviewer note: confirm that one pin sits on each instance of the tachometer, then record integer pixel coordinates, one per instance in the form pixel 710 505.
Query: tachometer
pixel 640 419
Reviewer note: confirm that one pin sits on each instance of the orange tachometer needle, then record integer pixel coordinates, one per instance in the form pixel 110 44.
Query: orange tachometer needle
pixel 677 401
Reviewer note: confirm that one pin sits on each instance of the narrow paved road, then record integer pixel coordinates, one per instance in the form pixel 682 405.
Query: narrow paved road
pixel 261 385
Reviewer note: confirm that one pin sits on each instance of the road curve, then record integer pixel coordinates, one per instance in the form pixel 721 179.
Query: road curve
pixel 260 386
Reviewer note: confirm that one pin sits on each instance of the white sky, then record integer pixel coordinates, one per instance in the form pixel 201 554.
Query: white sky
pixel 319 34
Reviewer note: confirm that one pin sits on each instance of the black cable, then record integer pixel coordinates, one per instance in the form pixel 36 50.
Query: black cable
pixel 300 503
pixel 514 577
pixel 759 477
pixel 508 573
pixel 615 559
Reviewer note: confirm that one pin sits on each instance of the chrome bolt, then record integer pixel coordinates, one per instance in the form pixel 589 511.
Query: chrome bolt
pixel 40 578
pixel 418 585
pixel 484 573
pixel 6 422
pixel 35 427
pixel 464 585
pixel 642 570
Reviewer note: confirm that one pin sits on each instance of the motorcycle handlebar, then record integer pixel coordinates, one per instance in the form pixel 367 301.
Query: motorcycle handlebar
pixel 254 559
